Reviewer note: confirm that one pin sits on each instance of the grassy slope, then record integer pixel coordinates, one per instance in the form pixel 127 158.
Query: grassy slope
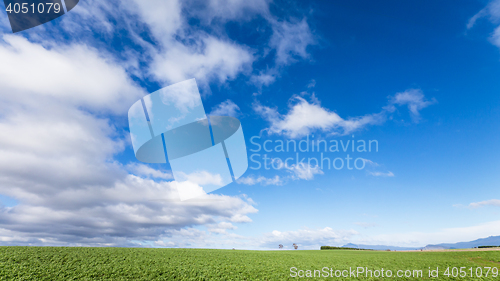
pixel 47 263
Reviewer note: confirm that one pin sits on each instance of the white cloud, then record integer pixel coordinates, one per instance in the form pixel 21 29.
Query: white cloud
pixel 221 227
pixel 414 99
pixel 304 171
pixel 57 156
pixel 188 190
pixel 492 11
pixel 304 117
pixel 301 171
pixel 164 18
pixel 201 178
pixel 52 145
pixel 382 174
pixel 371 172
pixel 495 37
pixel 226 108
pixel 164 45
pixel 209 59
pixel 264 78
pixel 301 119
pixel 491 202
pixel 306 238
pixel 184 96
pixel 184 52
pixel 60 83
pixel 140 169
pixel 252 180
pixel 370 162
pixel 134 208
pixel 235 9
pixel 57 161
pixel 73 74
pixel 291 39
pixel 219 237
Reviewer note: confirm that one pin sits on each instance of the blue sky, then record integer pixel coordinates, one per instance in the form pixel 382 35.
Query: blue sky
pixel 419 77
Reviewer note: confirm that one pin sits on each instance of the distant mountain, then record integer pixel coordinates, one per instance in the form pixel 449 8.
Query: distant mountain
pixel 378 247
pixel 490 241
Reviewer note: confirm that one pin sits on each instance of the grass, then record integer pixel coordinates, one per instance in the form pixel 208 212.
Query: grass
pixel 53 263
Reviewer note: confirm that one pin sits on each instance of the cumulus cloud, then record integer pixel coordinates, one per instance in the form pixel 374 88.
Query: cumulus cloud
pixel 180 51
pixel 74 74
pixel 226 108
pixel 57 162
pixel 301 119
pixel 65 93
pixel 210 59
pixel 61 107
pixel 51 146
pixel 164 45
pixel 133 208
pixel 304 116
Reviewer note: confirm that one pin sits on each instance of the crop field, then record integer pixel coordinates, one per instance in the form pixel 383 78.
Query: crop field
pixel 54 263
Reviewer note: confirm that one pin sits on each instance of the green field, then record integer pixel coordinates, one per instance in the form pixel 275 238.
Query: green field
pixel 49 263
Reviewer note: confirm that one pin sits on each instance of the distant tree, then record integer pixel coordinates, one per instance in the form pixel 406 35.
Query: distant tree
pixel 295 246
pixel 281 246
